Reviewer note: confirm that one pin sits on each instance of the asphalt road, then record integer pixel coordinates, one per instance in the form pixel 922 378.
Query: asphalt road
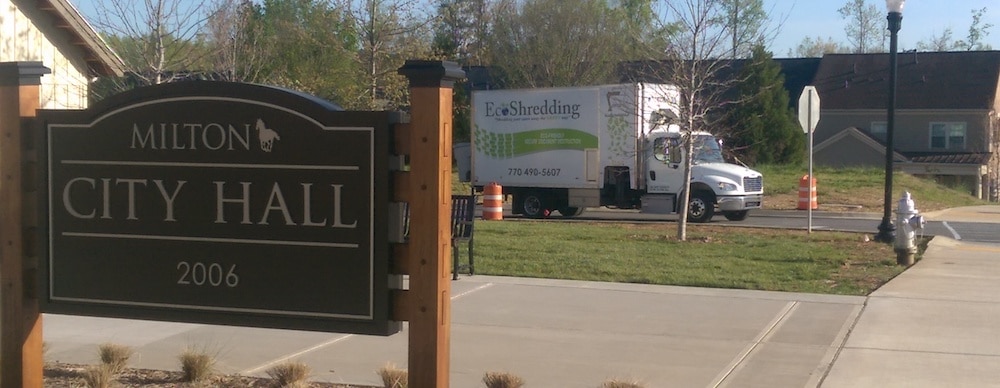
pixel 852 222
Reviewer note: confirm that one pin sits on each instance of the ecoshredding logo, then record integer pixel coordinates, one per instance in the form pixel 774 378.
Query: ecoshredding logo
pixel 515 108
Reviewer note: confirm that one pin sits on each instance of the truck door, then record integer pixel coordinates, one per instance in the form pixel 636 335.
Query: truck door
pixel 665 174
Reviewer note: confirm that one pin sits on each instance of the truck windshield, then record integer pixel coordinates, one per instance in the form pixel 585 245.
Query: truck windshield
pixel 706 150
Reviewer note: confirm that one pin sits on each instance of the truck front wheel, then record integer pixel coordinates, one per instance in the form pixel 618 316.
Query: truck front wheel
pixel 700 207
pixel 570 211
pixel 533 206
pixel 736 215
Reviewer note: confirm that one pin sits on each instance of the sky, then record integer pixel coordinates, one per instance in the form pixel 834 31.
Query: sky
pixel 922 19
pixel 798 19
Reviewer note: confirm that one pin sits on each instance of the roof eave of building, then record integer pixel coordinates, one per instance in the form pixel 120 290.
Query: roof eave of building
pixel 101 60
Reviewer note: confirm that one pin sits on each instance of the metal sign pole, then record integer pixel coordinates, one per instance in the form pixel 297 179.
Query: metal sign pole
pixel 812 178
pixel 808 118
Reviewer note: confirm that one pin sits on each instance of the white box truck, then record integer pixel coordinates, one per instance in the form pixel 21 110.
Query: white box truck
pixel 566 149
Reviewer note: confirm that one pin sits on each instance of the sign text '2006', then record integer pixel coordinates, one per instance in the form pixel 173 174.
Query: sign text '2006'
pixel 211 274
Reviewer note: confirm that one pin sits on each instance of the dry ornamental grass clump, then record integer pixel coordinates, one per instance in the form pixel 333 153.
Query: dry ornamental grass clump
pixel 197 366
pixel 393 377
pixel 502 380
pixel 290 374
pixel 115 356
pixel 619 383
pixel 98 376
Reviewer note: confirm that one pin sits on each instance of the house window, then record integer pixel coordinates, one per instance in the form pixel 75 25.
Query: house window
pixel 878 130
pixel 948 135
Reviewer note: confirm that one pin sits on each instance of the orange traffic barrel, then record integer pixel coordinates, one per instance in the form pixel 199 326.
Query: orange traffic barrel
pixel 807 193
pixel 492 202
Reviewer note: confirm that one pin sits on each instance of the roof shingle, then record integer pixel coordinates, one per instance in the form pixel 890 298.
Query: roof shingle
pixel 925 80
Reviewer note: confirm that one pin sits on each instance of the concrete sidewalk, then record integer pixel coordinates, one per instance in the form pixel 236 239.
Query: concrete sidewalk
pixel 553 333
pixel 986 213
pixel 935 325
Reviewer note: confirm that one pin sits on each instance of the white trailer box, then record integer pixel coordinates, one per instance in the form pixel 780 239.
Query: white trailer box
pixel 536 138
pixel 565 149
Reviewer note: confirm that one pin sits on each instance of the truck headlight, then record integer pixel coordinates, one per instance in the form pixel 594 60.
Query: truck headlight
pixel 724 186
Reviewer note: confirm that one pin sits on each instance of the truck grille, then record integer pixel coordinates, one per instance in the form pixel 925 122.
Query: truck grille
pixel 753 184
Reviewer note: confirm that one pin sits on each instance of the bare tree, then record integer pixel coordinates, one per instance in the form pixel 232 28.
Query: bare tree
pixel 746 21
pixel 390 31
pixel 159 40
pixel 942 42
pixel 865 26
pixel 696 66
pixel 238 41
pixel 977 32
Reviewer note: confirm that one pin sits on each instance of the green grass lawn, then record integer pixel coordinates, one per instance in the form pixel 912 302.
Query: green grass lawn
pixel 860 187
pixel 713 256
pixel 717 256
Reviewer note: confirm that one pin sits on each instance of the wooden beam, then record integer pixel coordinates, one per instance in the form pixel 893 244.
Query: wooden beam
pixel 21 363
pixel 402 261
pixel 429 304
pixel 401 305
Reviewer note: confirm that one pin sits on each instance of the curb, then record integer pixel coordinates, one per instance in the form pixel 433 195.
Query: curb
pixel 805 214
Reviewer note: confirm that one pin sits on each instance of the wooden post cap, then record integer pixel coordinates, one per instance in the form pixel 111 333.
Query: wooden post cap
pixel 423 73
pixel 22 73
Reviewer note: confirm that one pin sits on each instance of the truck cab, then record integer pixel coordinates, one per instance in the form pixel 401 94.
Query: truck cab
pixel 715 185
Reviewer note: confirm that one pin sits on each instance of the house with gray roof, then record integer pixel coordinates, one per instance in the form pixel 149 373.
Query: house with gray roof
pixel 946 122
pixel 54 33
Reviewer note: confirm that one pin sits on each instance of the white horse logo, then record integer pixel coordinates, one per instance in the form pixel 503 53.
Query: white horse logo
pixel 266 135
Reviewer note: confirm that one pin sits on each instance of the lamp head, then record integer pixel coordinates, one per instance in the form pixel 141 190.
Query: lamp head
pixel 894 6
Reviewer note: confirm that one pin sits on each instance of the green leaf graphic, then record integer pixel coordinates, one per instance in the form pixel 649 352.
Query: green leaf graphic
pixel 510 145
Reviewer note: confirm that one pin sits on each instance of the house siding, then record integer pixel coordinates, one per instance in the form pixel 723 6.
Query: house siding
pixel 849 152
pixel 911 128
pixel 66 87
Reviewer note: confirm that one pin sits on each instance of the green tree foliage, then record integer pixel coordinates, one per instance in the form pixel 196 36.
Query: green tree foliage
pixel 240 54
pixel 942 42
pixel 460 30
pixel 765 129
pixel 390 32
pixel 746 21
pixel 459 34
pixel 308 45
pixel 158 41
pixel 543 43
pixel 816 47
pixel 977 32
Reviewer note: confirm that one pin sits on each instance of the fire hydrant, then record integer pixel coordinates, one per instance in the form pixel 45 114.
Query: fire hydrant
pixel 908 218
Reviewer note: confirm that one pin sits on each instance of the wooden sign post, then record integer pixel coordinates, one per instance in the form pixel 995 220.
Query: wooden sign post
pixel 20 320
pixel 429 299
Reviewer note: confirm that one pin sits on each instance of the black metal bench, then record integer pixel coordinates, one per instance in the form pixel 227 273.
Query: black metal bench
pixel 463 208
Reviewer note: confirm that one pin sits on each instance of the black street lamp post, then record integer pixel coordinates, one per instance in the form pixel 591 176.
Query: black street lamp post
pixel 886 230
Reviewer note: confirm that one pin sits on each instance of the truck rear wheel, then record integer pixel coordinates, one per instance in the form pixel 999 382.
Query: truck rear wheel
pixel 736 215
pixel 533 206
pixel 700 207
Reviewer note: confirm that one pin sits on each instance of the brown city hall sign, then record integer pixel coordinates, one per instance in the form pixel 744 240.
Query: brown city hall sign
pixel 219 203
